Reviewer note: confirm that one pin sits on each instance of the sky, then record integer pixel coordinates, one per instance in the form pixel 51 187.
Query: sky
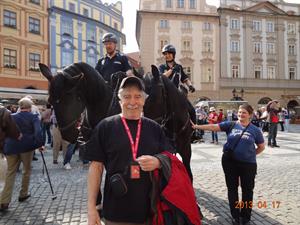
pixel 129 14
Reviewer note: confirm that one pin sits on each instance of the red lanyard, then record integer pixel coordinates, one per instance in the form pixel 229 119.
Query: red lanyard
pixel 134 145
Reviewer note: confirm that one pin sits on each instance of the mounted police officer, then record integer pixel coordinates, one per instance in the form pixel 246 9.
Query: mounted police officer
pixel 113 61
pixel 173 70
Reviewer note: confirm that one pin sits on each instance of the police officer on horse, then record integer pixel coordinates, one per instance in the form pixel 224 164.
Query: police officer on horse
pixel 114 61
pixel 173 70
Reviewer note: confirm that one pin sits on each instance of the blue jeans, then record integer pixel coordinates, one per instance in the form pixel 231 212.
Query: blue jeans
pixel 214 136
pixel 69 153
pixel 46 129
pixel 272 134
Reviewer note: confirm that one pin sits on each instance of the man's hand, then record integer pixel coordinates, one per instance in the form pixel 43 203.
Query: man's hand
pixel 192 89
pixel 42 148
pixel 148 162
pixel 93 217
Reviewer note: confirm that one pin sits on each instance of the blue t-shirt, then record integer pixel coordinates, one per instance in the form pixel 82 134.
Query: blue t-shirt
pixel 245 149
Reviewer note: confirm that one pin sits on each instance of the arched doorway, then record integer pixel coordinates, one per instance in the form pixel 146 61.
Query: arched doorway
pixel 264 101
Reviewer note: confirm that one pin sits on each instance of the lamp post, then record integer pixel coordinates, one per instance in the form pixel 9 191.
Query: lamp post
pixel 236 93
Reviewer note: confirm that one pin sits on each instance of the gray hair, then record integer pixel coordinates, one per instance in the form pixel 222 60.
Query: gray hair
pixel 121 90
pixel 25 103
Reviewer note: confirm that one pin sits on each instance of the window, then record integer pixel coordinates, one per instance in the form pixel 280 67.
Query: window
pixel 207 26
pixel 86 12
pixel 270 27
pixel 163 43
pixel 10 58
pixel 91 34
pixel 67 58
pixel 10 19
pixel 67 27
pixel 34 25
pixel 235 46
pixel 257 72
pixel 163 24
pixel 186 45
pixel 116 25
pixel 207 46
pixel 91 57
pixel 34 60
pixel 235 71
pixel 257 47
pixel 292 73
pixel 180 3
pixel 37 2
pixel 192 4
pixel 256 26
pixel 187 25
pixel 71 7
pixel 271 72
pixel 291 28
pixel 168 3
pixel 188 71
pixel 270 48
pixel 292 50
pixel 207 70
pixel 235 24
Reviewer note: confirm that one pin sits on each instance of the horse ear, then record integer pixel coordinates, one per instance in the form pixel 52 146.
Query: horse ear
pixel 136 73
pixel 46 71
pixel 155 72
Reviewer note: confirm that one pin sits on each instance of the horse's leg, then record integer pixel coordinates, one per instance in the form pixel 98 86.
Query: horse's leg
pixel 186 154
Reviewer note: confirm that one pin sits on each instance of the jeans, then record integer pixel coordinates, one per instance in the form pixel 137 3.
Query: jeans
pixel 69 153
pixel 214 136
pixel 46 130
pixel 272 134
pixel 246 172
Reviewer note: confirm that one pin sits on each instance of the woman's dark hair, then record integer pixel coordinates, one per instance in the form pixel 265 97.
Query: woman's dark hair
pixel 247 107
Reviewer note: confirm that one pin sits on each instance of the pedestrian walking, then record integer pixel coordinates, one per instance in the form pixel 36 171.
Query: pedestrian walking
pixel 18 151
pixel 8 128
pixel 273 108
pixel 239 160
pixel 213 119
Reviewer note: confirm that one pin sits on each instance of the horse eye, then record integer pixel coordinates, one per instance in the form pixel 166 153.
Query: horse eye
pixel 57 101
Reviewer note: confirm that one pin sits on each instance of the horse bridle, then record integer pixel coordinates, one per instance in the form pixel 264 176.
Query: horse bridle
pixel 66 127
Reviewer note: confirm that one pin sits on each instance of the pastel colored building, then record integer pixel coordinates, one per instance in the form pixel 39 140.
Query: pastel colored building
pixel 76 29
pixel 23 44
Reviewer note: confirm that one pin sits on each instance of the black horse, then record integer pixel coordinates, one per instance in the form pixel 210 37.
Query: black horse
pixel 79 88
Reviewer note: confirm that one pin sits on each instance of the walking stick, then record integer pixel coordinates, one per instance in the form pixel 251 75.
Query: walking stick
pixel 53 195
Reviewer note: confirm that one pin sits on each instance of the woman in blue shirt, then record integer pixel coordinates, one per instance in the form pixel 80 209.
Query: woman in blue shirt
pixel 239 160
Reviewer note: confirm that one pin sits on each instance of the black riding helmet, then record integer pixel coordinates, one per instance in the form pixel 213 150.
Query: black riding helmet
pixel 109 37
pixel 169 48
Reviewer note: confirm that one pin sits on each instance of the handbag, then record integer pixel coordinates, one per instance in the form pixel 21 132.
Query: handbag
pixel 230 152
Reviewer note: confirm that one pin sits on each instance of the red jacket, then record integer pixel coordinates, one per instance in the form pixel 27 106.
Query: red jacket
pixel 177 197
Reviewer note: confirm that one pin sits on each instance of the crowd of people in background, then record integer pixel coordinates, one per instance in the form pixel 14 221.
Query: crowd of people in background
pixel 267 118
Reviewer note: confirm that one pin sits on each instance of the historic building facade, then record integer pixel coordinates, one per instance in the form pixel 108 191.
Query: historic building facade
pixel 246 49
pixel 76 30
pixel 260 50
pixel 23 44
pixel 192 27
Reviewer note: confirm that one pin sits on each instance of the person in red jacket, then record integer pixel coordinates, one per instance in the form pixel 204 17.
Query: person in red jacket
pixel 273 108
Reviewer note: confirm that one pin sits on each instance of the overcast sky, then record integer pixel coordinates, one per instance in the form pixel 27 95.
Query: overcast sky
pixel 129 13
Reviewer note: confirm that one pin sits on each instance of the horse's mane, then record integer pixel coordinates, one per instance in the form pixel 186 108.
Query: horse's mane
pixel 178 99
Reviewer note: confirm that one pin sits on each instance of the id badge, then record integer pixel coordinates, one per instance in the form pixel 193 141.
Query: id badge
pixel 135 171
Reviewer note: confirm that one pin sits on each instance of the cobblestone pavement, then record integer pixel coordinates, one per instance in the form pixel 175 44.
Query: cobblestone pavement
pixel 276 194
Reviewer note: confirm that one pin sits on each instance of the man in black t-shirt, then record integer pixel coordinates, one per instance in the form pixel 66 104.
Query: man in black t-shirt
pixel 114 61
pixel 126 146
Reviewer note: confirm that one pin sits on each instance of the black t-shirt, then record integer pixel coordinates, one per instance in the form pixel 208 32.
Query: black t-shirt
pixel 107 66
pixel 110 144
pixel 176 78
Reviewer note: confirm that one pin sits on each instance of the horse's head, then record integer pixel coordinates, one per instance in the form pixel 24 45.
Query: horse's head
pixel 155 105
pixel 66 98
